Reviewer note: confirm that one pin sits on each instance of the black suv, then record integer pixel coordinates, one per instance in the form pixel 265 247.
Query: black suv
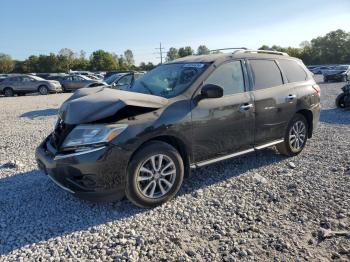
pixel 184 114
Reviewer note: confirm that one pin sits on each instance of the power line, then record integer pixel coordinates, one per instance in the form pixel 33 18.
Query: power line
pixel 161 52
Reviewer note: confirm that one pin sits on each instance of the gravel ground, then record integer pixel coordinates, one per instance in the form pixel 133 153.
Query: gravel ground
pixel 262 206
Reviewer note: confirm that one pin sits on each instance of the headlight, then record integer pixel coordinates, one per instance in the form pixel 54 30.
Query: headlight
pixel 86 135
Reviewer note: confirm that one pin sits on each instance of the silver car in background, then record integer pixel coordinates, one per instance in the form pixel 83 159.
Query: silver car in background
pixel 121 81
pixel 23 84
pixel 74 82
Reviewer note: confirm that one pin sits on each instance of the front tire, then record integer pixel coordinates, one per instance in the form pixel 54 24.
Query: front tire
pixel 340 100
pixel 43 90
pixel 155 175
pixel 295 137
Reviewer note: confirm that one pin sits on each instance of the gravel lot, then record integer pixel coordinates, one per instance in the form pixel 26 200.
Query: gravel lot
pixel 261 206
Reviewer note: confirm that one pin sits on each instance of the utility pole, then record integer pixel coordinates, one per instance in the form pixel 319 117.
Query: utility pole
pixel 161 52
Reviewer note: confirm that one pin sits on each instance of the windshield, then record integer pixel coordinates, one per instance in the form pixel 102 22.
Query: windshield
pixel 37 78
pixel 84 77
pixel 341 68
pixel 109 80
pixel 168 80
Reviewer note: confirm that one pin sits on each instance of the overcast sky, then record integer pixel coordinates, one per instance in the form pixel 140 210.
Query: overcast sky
pixel 44 26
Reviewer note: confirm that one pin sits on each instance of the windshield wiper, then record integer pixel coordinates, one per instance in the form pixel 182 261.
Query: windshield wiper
pixel 146 87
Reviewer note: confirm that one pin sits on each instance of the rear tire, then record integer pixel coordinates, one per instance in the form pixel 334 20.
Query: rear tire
pixel 295 137
pixel 155 175
pixel 340 100
pixel 43 90
pixel 8 92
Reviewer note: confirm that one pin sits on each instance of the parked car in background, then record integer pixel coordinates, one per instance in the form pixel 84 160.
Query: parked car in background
pixel 339 73
pixel 121 81
pixel 74 82
pixel 57 77
pixel 320 69
pixel 23 84
pixel 3 76
pixel 110 73
pixel 188 113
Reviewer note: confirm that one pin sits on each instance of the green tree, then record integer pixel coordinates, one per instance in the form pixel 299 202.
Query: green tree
pixel 122 63
pixel 6 63
pixel 129 58
pixel 81 63
pixel 203 50
pixel 66 58
pixel 185 51
pixel 47 63
pixel 101 60
pixel 332 48
pixel 172 54
pixel 264 47
pixel 146 67
pixel 31 64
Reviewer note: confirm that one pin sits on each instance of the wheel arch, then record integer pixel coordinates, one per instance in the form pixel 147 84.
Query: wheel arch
pixel 175 142
pixel 309 118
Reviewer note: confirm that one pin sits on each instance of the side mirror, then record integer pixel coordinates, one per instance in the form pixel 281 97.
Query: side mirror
pixel 212 91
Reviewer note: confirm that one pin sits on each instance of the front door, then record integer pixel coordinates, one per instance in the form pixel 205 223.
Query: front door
pixel 223 126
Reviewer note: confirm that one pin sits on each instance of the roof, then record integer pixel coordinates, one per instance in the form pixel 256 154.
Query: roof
pixel 226 56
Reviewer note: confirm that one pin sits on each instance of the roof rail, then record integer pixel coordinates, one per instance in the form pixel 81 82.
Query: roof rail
pixel 230 48
pixel 266 52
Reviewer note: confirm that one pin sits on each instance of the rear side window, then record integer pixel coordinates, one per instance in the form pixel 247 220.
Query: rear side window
pixel 265 74
pixel 229 76
pixel 293 71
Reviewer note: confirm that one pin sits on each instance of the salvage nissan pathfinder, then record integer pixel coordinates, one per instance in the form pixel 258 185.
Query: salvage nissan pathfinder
pixel 185 114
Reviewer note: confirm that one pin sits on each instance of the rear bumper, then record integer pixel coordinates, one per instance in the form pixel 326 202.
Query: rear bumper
pixel 316 111
pixel 95 175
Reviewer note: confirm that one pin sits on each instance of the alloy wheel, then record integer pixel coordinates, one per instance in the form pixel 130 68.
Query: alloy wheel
pixel 156 176
pixel 43 90
pixel 297 136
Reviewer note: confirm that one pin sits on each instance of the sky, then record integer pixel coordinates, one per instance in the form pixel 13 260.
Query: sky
pixel 44 26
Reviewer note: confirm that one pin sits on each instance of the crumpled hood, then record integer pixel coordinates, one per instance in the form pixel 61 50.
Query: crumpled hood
pixel 91 104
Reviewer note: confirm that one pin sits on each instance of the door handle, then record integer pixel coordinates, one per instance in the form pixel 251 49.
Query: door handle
pixel 291 97
pixel 245 107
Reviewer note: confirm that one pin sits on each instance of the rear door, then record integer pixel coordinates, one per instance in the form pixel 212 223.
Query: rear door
pixel 275 102
pixel 68 83
pixel 222 126
pixel 29 84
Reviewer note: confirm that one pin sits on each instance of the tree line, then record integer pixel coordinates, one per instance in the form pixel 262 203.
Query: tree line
pixel 333 48
pixel 67 60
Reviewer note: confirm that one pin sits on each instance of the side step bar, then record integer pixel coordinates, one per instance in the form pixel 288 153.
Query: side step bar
pixel 218 159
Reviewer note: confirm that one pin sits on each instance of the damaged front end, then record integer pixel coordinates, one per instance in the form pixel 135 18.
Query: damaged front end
pixel 79 154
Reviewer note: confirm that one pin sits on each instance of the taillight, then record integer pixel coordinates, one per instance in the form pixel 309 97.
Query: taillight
pixel 317 89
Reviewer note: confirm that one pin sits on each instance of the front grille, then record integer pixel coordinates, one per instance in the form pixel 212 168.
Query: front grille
pixel 60 133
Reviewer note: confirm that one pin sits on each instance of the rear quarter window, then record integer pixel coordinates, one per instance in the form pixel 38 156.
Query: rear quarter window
pixel 265 74
pixel 293 70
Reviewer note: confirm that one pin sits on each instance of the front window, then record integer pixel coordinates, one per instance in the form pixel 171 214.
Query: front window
pixel 341 68
pixel 169 80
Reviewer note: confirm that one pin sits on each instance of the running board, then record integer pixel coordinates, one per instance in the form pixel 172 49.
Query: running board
pixel 218 159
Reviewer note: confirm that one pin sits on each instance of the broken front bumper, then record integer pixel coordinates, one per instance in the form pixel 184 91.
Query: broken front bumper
pixel 97 174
